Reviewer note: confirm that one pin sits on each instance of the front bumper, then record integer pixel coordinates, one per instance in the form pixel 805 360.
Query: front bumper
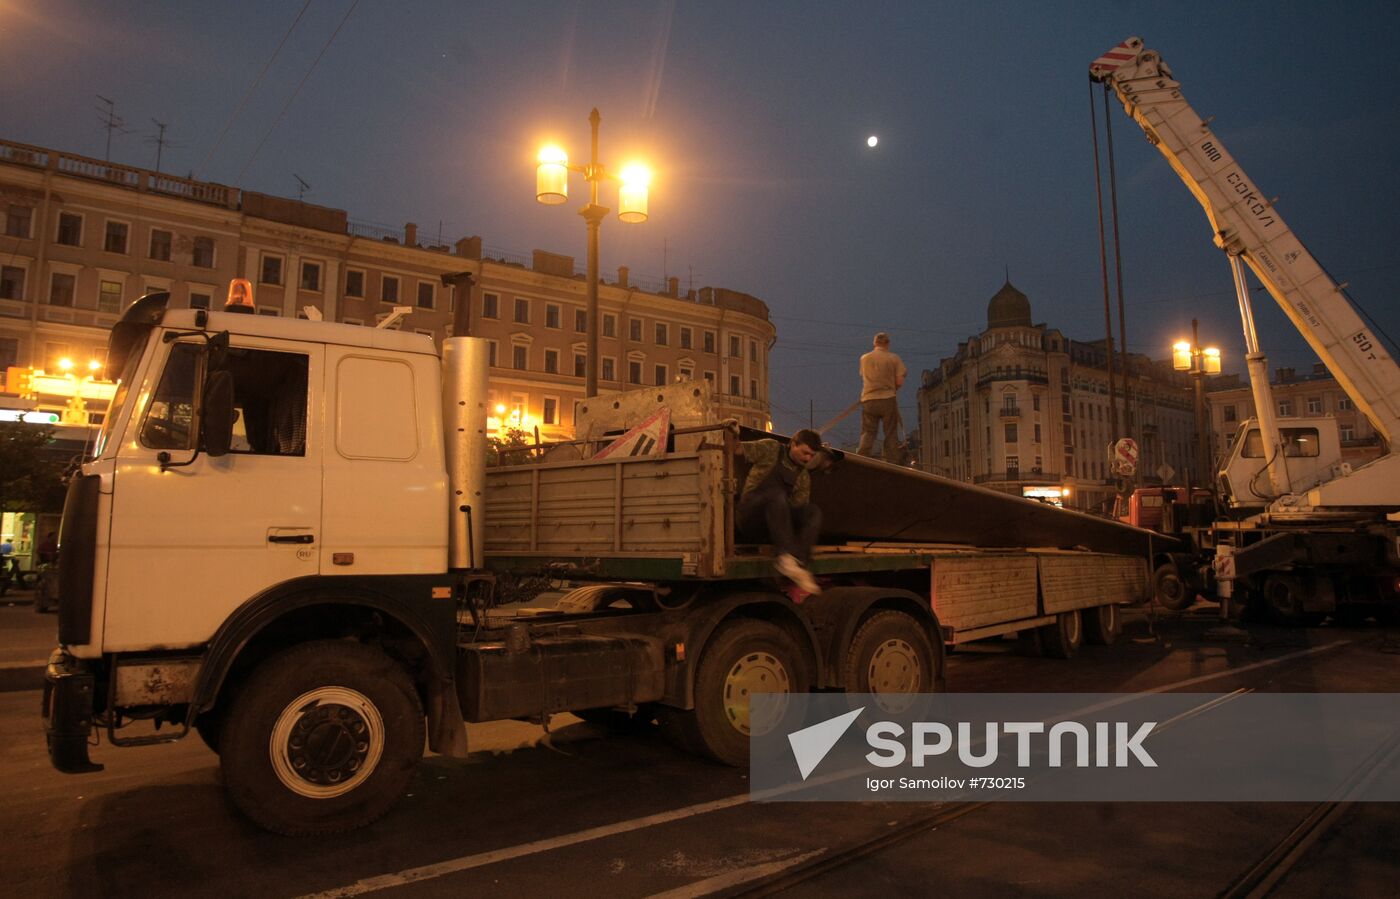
pixel 68 713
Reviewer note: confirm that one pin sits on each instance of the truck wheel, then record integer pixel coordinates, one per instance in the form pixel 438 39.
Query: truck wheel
pixel 890 653
pixel 209 727
pixel 1062 639
pixel 743 657
pixel 1284 595
pixel 323 738
pixel 1102 625
pixel 1170 590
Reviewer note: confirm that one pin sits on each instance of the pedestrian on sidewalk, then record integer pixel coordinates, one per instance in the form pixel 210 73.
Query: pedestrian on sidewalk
pixel 882 373
pixel 776 502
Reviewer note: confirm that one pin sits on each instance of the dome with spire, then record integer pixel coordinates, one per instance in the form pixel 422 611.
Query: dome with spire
pixel 1009 309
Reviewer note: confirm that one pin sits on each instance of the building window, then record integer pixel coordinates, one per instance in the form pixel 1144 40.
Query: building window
pixel 1010 433
pixel 1348 434
pixel 634 330
pixel 609 324
pixel 115 239
pixel 160 245
pixel 199 300
pixel 271 270
pixel 753 388
pixel 634 372
pixel 580 320
pixel 709 342
pixel 519 357
pixel 490 305
pixel 522 311
pixel 354 283
pixel 686 338
pixel 389 289
pixel 1344 404
pixel 686 373
pixel 661 375
pixel 1285 408
pixel 1065 409
pixel 734 346
pixel 109 297
pixel 18 220
pixel 580 365
pixel 1035 402
pixel 1013 466
pixel 551 316
pixel 493 350
pixel 1228 412
pixel 70 229
pixel 9 352
pixel 275 312
pixel 549 414
pixel 609 369
pixel 753 350
pixel 1037 433
pixel 551 361
pixel 427 295
pixel 663 335
pixel 734 385
pixel 202 255
pixel 1314 405
pixel 61 290
pixel 311 276
pixel 710 376
pixel 1069 435
pixel 11 282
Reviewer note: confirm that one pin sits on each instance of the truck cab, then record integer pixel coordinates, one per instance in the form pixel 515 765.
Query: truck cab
pixel 1311 451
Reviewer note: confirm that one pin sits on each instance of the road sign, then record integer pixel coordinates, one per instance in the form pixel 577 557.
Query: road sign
pixel 1125 456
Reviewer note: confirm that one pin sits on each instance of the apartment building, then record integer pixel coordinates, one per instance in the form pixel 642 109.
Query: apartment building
pixel 1023 409
pixel 81 239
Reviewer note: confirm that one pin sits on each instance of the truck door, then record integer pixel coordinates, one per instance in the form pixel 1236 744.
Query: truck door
pixel 193 542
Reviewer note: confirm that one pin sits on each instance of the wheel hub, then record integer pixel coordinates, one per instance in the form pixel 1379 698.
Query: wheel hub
pixel 326 742
pixel 757 672
pixel 895 668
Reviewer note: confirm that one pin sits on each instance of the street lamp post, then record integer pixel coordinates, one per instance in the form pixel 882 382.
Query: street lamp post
pixel 1189 356
pixel 552 188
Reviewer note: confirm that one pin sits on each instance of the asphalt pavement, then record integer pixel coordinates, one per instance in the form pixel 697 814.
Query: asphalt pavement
pixel 26 639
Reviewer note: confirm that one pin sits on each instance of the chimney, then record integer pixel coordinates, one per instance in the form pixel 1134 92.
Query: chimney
pixel 673 287
pixel 622 273
pixel 1284 375
pixel 469 248
pixel 410 235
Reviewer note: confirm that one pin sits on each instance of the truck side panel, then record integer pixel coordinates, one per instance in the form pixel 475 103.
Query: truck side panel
pixel 1082 581
pixel 971 592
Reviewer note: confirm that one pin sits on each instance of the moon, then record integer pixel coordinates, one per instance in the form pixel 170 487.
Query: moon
pixel 872 140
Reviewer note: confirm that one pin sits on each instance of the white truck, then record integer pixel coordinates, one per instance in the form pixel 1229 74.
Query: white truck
pixel 288 541
pixel 1309 535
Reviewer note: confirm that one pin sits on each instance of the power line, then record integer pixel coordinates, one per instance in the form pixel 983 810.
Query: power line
pixel 286 105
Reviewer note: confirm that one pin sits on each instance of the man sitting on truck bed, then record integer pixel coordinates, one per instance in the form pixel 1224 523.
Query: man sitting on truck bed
pixel 776 502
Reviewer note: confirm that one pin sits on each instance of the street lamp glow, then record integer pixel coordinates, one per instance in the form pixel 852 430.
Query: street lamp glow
pixel 94 365
pixel 632 195
pixel 552 176
pixel 1181 355
pixel 65 363
pixel 500 408
pixel 1210 358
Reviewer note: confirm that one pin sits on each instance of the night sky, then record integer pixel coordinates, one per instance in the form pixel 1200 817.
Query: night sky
pixel 754 117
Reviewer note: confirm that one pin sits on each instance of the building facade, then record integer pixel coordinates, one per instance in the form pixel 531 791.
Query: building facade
pixel 82 239
pixel 1023 409
pixel 1314 394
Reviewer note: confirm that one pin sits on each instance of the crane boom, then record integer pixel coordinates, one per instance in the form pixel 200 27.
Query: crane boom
pixel 1248 225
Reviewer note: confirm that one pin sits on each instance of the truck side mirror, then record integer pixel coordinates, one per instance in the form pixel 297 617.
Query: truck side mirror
pixel 218 413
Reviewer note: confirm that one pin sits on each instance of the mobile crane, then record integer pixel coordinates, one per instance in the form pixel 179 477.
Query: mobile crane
pixel 1322 536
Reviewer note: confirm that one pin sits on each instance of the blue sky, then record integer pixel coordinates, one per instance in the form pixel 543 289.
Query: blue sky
pixel 754 117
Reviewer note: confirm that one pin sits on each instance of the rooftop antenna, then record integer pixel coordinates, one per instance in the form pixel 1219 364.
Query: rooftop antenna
pixel 302 186
pixel 112 122
pixel 160 141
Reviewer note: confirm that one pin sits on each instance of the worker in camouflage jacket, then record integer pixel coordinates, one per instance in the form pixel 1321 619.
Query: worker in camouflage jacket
pixel 776 502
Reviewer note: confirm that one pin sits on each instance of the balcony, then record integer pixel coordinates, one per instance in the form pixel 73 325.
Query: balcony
pixel 1030 376
pixel 1010 412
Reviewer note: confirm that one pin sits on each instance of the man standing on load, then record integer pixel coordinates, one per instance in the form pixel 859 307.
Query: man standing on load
pixel 776 502
pixel 882 374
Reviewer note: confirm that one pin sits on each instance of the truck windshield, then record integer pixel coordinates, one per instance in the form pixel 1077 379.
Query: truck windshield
pixel 117 406
pixel 1296 442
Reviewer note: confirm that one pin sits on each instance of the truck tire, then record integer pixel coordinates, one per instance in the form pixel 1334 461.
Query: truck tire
pixel 742 657
pixel 322 738
pixel 890 653
pixel 1102 625
pixel 1062 639
pixel 1284 596
pixel 1169 590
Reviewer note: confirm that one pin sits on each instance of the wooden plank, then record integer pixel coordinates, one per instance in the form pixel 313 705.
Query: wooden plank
pixel 976 592
pixel 1090 579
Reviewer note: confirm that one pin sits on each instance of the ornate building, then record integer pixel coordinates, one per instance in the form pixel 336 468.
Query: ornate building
pixel 1023 409
pixel 83 238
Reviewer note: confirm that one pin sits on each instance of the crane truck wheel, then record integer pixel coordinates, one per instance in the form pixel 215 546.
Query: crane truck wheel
pixel 1284 596
pixel 1170 590
pixel 323 738
pixel 1062 639
pixel 1102 625
pixel 743 657
pixel 890 654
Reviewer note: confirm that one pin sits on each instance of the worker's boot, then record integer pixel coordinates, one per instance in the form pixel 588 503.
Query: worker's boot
pixel 790 568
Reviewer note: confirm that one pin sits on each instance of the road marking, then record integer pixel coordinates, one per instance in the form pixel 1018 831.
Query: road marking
pixel 735 878
pixel 481 859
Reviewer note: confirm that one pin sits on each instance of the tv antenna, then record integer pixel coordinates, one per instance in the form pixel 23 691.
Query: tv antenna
pixel 159 140
pixel 302 186
pixel 112 122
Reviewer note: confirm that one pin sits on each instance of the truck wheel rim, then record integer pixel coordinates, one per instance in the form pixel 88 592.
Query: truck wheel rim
pixel 894 668
pixel 326 742
pixel 1072 628
pixel 756 672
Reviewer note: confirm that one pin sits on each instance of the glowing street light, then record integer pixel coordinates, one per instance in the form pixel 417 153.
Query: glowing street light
pixel 552 188
pixel 1189 356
